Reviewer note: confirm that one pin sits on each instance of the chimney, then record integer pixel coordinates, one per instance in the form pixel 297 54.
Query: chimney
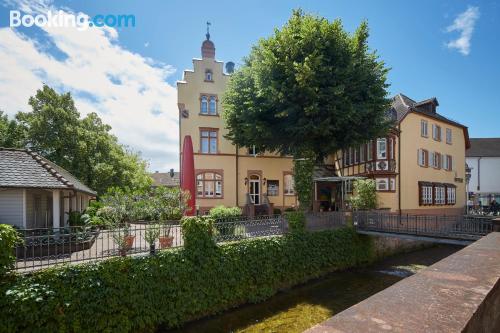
pixel 172 173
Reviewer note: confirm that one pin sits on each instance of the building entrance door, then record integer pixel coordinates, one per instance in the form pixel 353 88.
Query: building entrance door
pixel 255 189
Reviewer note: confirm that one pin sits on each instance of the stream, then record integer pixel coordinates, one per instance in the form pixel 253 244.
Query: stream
pixel 304 306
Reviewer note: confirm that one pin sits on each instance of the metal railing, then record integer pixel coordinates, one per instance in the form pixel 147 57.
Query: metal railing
pixel 455 227
pixel 50 246
pixel 325 220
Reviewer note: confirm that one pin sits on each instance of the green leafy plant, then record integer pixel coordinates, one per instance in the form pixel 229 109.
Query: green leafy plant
pixel 9 238
pixel 296 221
pixel 365 194
pixel 303 180
pixel 139 294
pixel 222 212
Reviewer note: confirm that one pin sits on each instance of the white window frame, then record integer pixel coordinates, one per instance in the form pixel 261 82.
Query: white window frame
pixel 212 105
pixel 209 75
pixel 424 128
pixel 451 195
pixel 422 157
pixel 382 148
pixel 204 104
pixel 449 136
pixel 392 184
pixel 439 195
pixel 436 132
pixel 382 184
pixel 289 185
pixel 426 193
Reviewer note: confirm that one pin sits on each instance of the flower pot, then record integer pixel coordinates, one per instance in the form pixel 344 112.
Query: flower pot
pixel 129 241
pixel 166 241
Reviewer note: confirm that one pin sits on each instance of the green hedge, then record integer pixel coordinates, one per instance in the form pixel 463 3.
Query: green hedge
pixel 9 238
pixel 139 294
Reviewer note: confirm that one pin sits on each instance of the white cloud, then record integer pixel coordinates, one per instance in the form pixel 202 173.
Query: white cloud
pixel 127 90
pixel 463 23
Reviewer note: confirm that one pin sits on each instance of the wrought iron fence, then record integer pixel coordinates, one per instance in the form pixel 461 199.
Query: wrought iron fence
pixel 50 246
pixel 456 227
pixel 325 220
pixel 232 229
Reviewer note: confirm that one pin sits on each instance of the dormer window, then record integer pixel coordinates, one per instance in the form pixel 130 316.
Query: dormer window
pixel 208 75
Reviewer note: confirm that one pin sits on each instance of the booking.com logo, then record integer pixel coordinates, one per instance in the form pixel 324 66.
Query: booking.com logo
pixel 62 19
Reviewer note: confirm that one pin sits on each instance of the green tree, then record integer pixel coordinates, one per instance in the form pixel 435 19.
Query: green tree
pixel 11 134
pixel 310 87
pixel 85 147
pixel 365 194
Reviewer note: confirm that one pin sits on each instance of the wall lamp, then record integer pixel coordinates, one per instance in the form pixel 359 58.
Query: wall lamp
pixel 246 180
pixel 264 181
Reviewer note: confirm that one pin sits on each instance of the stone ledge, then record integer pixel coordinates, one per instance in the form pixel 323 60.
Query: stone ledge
pixel 458 294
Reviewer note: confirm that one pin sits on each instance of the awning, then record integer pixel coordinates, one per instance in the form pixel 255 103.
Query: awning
pixel 337 179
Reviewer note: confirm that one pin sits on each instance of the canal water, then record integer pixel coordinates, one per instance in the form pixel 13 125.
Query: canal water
pixel 300 308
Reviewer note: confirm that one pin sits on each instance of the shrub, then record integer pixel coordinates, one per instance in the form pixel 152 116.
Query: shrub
pixel 296 221
pixel 365 194
pixel 9 238
pixel 93 207
pixel 221 212
pixel 139 294
pixel 276 211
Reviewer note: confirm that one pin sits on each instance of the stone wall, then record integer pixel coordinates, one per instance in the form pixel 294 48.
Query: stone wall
pixel 460 293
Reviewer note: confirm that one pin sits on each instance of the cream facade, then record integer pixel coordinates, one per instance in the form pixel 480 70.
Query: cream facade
pixel 226 175
pixel 419 167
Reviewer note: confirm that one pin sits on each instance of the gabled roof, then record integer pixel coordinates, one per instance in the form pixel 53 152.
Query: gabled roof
pixel 484 147
pixel 164 179
pixel 21 168
pixel 403 105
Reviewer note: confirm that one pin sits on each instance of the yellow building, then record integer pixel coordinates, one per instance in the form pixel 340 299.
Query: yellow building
pixel 226 175
pixel 419 167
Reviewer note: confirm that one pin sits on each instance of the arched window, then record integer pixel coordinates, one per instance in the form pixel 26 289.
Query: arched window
pixel 209 185
pixel 208 75
pixel 204 105
pixel 213 105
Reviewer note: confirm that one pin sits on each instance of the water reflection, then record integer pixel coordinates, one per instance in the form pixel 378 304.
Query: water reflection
pixel 299 308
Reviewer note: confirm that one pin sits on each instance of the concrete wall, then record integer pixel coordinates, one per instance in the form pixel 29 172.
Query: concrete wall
pixel 11 207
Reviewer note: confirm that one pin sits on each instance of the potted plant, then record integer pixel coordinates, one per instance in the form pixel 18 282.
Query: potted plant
pixel 165 239
pixel 123 238
pixel 152 233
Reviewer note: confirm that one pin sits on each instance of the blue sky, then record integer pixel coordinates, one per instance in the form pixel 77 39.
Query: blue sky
pixel 128 75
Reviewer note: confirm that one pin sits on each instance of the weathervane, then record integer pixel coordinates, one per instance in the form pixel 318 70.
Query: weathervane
pixel 208 30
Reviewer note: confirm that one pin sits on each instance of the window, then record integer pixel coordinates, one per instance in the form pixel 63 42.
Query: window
pixel 204 105
pixel 381 148
pixel 423 156
pixel 451 195
pixel 351 156
pixel 382 184
pixel 436 132
pixel 209 185
pixel 425 194
pixel 273 188
pixel 423 128
pixel 369 155
pixel 356 155
pixel 393 184
pixel 253 151
pixel 435 160
pixel 208 141
pixel 212 106
pixel 439 194
pixel 448 136
pixel 208 75
pixel 362 153
pixel 289 185
pixel 449 159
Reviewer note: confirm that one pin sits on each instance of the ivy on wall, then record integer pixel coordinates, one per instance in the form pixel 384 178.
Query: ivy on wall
pixel 303 177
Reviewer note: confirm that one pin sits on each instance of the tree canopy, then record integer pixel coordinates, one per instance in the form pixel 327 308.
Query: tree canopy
pixel 83 146
pixel 311 87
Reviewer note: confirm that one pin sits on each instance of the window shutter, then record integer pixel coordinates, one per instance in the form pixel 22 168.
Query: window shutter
pixel 420 194
pixel 426 158
pixel 419 157
pixel 450 162
pixel 431 159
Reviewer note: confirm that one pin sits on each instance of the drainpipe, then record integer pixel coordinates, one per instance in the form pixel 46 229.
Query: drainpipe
pixel 479 174
pixel 399 169
pixel 237 170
